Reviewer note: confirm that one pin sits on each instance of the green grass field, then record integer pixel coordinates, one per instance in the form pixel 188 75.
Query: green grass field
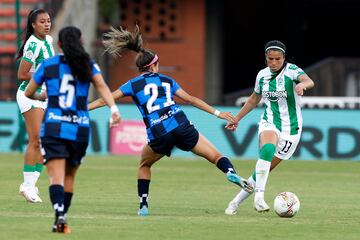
pixel 187 201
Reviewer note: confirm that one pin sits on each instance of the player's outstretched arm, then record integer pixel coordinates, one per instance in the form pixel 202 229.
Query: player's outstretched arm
pixel 107 98
pixel 117 94
pixel 249 105
pixel 197 102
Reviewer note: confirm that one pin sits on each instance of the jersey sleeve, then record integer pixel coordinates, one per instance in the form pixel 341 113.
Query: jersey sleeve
pixel 30 53
pixel 175 87
pixel 38 75
pixel 257 89
pixel 295 72
pixel 95 68
pixel 126 88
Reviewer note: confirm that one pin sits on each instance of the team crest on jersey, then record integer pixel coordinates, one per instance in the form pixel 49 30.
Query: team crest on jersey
pixel 29 54
pixel 274 96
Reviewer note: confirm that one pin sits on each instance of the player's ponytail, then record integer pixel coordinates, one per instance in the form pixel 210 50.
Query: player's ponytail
pixel 75 54
pixel 119 40
pixel 29 28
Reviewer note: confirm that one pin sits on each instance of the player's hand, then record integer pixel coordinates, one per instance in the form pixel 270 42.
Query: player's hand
pixel 115 119
pixel 231 126
pixel 43 96
pixel 227 116
pixel 299 89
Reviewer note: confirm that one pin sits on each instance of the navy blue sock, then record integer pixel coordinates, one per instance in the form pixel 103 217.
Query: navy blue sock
pixel 67 201
pixel 143 191
pixel 57 199
pixel 225 165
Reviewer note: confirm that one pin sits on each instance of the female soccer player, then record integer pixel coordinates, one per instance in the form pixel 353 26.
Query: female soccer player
pixel 66 126
pixel 166 124
pixel 280 85
pixel 36 47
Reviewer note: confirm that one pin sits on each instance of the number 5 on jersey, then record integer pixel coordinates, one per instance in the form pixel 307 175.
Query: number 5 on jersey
pixel 67 91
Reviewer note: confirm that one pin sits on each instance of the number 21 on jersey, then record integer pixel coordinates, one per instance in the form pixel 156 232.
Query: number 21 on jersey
pixel 152 90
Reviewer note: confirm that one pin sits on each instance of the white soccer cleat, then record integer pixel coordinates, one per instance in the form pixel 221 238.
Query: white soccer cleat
pixel 231 209
pixel 260 205
pixel 37 190
pixel 29 193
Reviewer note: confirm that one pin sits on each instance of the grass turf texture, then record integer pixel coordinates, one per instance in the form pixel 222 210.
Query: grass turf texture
pixel 187 201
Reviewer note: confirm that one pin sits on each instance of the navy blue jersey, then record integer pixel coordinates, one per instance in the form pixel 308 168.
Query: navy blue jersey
pixel 66 115
pixel 153 94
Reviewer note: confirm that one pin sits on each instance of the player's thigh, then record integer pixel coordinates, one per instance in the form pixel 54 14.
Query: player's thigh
pixel 149 157
pixel 33 119
pixel 206 149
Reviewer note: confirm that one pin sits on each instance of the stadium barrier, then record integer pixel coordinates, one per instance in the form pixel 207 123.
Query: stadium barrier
pixel 327 133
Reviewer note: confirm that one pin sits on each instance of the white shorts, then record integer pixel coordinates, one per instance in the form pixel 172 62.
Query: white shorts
pixel 287 143
pixel 25 103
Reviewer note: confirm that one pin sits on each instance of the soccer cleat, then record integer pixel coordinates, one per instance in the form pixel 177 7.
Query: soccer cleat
pixel 37 190
pixel 231 209
pixel 244 184
pixel 144 211
pixel 260 205
pixel 61 225
pixel 29 193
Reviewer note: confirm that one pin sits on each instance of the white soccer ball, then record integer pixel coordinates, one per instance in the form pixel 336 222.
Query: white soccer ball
pixel 286 204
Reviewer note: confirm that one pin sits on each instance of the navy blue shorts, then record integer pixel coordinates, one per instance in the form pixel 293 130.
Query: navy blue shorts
pixel 72 151
pixel 184 137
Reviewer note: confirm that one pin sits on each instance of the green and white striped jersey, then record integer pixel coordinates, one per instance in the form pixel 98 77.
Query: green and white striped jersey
pixel 35 51
pixel 282 104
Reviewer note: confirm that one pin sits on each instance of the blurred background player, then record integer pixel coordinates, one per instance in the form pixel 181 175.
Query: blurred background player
pixel 166 124
pixel 66 127
pixel 36 47
pixel 280 85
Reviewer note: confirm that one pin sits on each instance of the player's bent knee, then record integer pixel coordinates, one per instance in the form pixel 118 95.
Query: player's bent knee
pixel 267 151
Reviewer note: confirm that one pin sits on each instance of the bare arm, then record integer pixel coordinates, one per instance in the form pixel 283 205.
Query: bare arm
pixel 30 91
pixel 24 73
pixel 249 105
pixel 117 94
pixel 305 83
pixel 197 102
pixel 107 98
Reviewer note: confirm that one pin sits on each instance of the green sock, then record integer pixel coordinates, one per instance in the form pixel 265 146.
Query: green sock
pixel 38 167
pixel 254 176
pixel 29 168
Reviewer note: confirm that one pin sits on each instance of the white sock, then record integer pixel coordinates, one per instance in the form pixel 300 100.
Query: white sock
pixel 242 195
pixel 262 173
pixel 29 178
pixel 36 176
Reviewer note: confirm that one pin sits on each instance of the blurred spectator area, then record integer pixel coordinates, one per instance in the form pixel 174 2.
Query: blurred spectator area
pixel 168 27
pixel 8 39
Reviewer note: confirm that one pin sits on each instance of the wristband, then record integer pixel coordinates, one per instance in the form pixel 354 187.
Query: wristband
pixel 217 112
pixel 114 109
